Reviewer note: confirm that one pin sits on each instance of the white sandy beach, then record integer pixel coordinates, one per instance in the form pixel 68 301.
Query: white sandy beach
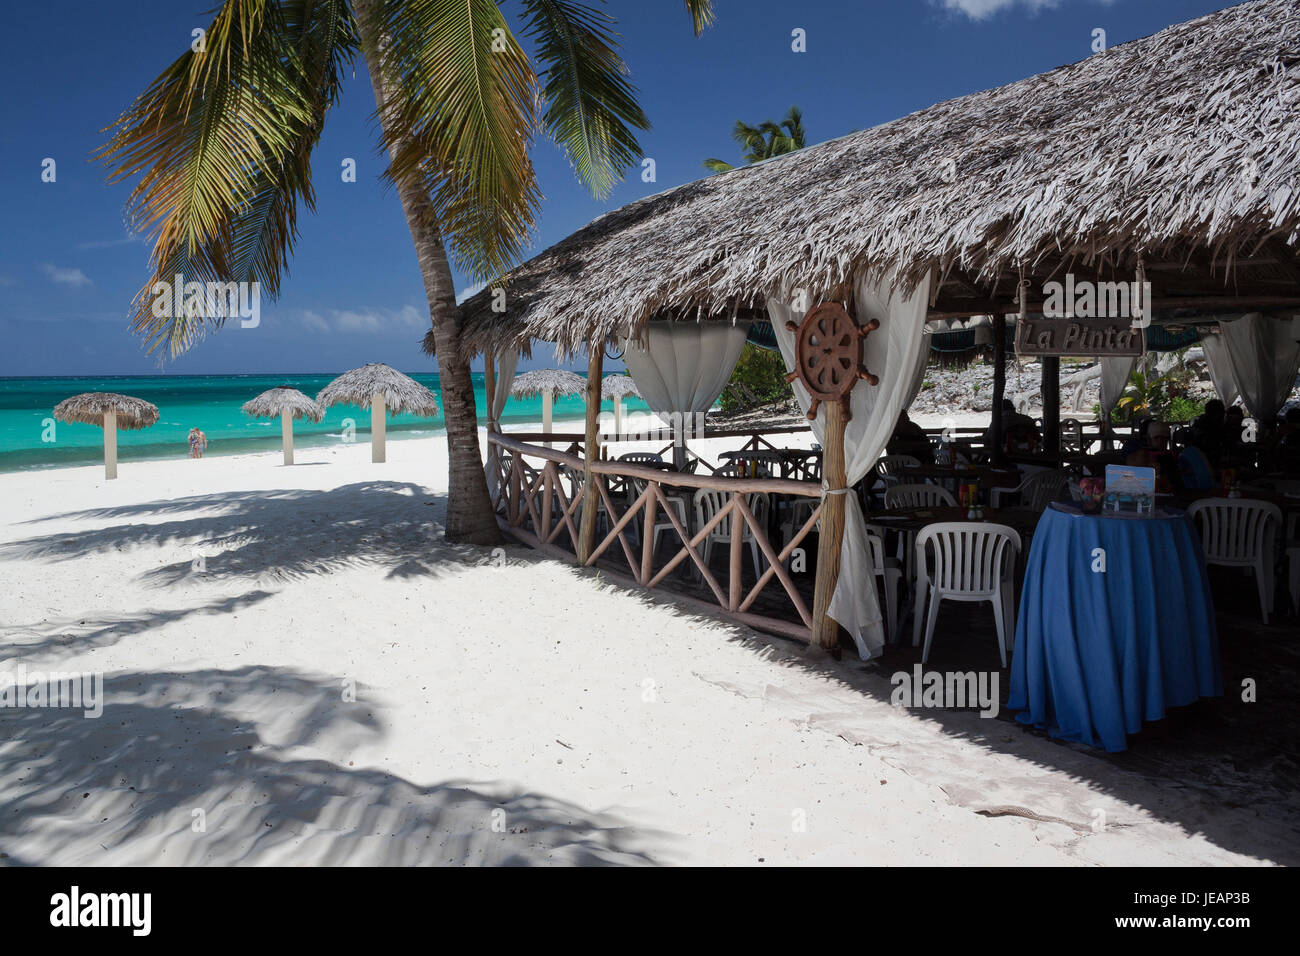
pixel 508 708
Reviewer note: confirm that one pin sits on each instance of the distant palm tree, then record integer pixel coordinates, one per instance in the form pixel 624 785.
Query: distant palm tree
pixel 765 140
pixel 221 143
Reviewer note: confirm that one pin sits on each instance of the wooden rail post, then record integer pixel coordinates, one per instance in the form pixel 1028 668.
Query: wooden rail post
pixel 591 446
pixel 999 386
pixel 825 631
pixel 1051 389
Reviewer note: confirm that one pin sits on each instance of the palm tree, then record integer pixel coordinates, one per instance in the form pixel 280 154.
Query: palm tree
pixel 765 140
pixel 221 144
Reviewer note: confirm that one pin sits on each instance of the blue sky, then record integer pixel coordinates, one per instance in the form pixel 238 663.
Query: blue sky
pixel 68 270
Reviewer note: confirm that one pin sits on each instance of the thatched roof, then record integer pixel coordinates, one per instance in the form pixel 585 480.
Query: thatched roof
pixel 402 394
pixel 618 386
pixel 283 398
pixel 1183 146
pixel 560 382
pixel 88 408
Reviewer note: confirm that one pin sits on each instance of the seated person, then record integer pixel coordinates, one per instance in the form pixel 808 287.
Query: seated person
pixel 1237 452
pixel 1195 470
pixel 1286 446
pixel 1154 453
pixel 1207 431
pixel 1019 433
pixel 910 439
pixel 1137 441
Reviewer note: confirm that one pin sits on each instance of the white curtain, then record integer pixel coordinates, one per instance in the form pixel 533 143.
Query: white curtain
pixel 897 353
pixel 1220 367
pixel 918 374
pixel 1263 355
pixel 1115 373
pixel 684 365
pixel 506 363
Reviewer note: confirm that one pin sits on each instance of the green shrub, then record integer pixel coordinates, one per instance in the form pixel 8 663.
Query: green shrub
pixel 758 379
pixel 1184 409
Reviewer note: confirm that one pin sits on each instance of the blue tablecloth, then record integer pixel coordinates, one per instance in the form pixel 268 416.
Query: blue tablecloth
pixel 1097 653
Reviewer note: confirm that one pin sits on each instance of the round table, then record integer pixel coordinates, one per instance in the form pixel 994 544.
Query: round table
pixel 1116 625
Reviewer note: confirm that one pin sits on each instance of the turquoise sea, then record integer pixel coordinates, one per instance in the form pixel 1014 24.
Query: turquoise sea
pixel 212 403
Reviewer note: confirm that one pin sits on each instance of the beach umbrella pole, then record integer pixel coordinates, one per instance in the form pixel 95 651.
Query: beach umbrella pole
pixel 286 434
pixel 378 423
pixel 110 444
pixel 546 413
pixel 618 415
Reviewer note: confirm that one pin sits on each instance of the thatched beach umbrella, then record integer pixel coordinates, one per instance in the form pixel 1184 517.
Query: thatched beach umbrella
pixel 288 403
pixel 618 387
pixel 382 388
pixel 547 382
pixel 110 411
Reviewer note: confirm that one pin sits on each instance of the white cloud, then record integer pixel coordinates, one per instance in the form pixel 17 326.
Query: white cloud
pixel 983 9
pixel 314 321
pixel 469 293
pixel 66 276
pixel 109 243
pixel 365 320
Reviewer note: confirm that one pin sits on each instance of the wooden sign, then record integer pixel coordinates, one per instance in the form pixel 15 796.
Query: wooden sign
pixel 1079 337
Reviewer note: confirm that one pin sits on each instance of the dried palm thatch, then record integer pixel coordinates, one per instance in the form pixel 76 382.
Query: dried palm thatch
pixel 284 398
pixel 89 408
pixel 618 386
pixel 1183 146
pixel 554 380
pixel 402 394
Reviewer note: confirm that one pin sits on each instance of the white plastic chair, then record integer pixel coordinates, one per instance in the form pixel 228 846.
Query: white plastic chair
pixel 889 572
pixel 662 522
pixel 891 468
pixel 709 502
pixel 1037 491
pixel 918 496
pixel 1239 533
pixel 575 493
pixel 740 469
pixel 969 561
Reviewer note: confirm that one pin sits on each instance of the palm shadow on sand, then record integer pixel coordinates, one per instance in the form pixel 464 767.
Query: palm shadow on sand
pixel 197 768
pixel 271 535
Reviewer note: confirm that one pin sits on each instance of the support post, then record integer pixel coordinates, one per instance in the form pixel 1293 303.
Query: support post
pixel 999 385
pixel 110 444
pixel 286 434
pixel 1051 389
pixel 378 425
pixel 548 403
pixel 489 395
pixel 618 414
pixel 825 631
pixel 590 451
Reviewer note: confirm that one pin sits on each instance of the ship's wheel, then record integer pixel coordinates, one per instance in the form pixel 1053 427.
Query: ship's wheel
pixel 828 355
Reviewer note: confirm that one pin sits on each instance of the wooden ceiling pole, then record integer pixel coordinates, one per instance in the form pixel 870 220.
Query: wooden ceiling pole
pixel 590 451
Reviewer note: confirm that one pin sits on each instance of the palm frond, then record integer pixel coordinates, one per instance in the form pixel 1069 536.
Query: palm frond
pixel 462 119
pixel 591 108
pixel 220 142
pixel 701 12
pixel 718 165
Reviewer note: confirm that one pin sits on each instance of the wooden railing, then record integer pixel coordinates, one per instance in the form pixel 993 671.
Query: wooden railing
pixel 538 501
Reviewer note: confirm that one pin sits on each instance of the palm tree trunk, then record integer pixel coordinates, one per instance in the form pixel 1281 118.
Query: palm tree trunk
pixel 469 509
